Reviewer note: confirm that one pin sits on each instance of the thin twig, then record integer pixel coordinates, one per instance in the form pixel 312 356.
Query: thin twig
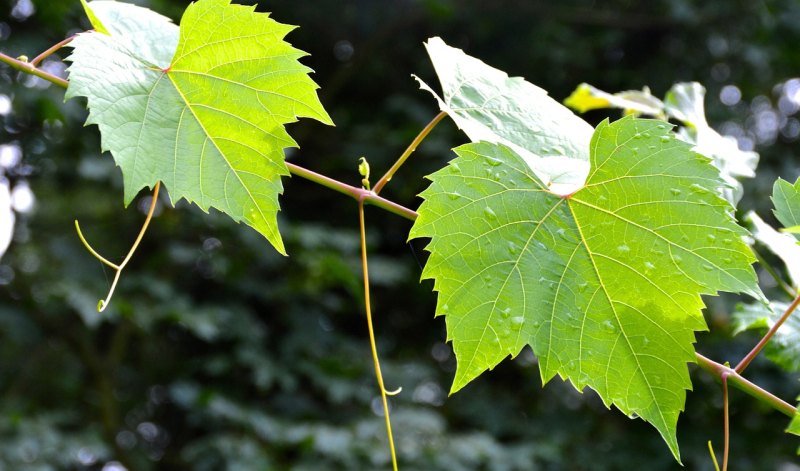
pixel 763 342
pixel 101 306
pixel 372 342
pixel 49 51
pixel 409 150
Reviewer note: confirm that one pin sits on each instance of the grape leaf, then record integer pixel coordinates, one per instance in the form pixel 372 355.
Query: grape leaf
pixel 604 284
pixel 683 102
pixel 488 105
pixel 786 198
pixel 587 97
pixel 783 245
pixel 784 347
pixel 794 427
pixel 202 108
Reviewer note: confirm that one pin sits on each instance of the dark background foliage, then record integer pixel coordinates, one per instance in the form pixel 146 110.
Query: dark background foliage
pixel 217 353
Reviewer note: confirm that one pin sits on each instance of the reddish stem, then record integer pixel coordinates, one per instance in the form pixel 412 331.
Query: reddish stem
pixel 760 346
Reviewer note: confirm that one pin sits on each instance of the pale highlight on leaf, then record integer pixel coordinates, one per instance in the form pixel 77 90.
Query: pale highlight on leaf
pixel 203 109
pixel 488 105
pixel 605 284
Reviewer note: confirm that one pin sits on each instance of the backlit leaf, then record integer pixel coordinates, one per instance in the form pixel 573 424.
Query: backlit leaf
pixel 202 108
pixel 786 198
pixel 605 284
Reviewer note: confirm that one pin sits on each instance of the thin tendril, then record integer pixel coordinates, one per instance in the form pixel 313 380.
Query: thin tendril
pixel 713 456
pixel 725 421
pixel 372 343
pixel 103 303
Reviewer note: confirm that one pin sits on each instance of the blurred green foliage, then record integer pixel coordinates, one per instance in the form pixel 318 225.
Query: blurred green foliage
pixel 218 354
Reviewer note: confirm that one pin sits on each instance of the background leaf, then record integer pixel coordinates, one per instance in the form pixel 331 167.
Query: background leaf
pixel 605 284
pixel 786 198
pixel 784 347
pixel 488 105
pixel 207 121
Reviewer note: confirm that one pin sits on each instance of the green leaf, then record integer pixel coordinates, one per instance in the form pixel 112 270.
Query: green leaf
pixel 202 109
pixel 783 245
pixel 784 347
pixel 604 284
pixel 786 198
pixel 587 97
pixel 97 24
pixel 488 105
pixel 683 102
pixel 794 427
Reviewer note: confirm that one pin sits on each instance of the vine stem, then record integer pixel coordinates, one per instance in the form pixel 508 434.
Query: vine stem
pixel 359 194
pixel 52 49
pixel 742 384
pixel 763 342
pixel 407 153
pixel 29 68
pixel 101 306
pixel 372 343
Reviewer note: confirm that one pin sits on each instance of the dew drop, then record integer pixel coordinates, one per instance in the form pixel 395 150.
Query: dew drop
pixel 665 138
pixel 707 267
pixel 635 150
pixel 651 147
pixel 454 166
pixel 696 188
pixel 728 260
pixel 536 324
pixel 638 135
pixel 678 259
pixel 623 248
pixel 602 198
pixel 675 191
pixel 516 322
pixel 609 326
pixel 662 126
pixel 513 248
pixel 727 241
pixel 649 266
pixel 711 237
pixel 582 286
pixel 645 341
pixel 505 313
pixel 445 308
pixel 562 233
pixel 454 196
pixel 493 162
pixel 489 213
